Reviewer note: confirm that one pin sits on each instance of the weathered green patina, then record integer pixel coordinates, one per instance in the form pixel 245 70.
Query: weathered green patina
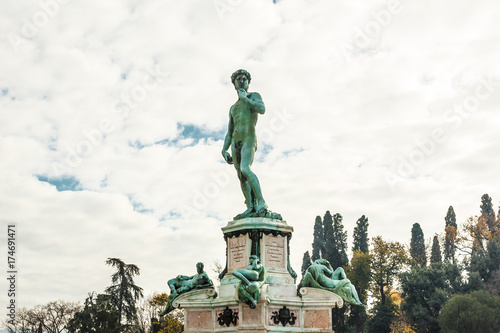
pixel 321 275
pixel 182 284
pixel 242 139
pixel 252 279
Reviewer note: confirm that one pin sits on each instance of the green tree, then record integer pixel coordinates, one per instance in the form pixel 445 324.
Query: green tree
pixel 425 291
pixel 450 235
pixel 360 235
pixel 359 274
pixel 474 283
pixel 338 250
pixel 487 212
pixel 381 320
pixel 436 251
pixel 474 312
pixel 387 261
pixel 454 278
pixel 335 253
pixel 493 285
pixel 329 243
pixel 123 291
pixel 98 315
pixel 417 245
pixel 306 262
pixel 319 239
pixel 484 262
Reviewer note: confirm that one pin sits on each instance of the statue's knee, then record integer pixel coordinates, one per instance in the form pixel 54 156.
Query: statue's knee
pixel 245 171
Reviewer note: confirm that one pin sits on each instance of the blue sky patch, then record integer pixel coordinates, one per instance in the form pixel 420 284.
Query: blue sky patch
pixel 190 131
pixel 138 206
pixel 186 131
pixel 262 151
pixel 293 152
pixel 66 183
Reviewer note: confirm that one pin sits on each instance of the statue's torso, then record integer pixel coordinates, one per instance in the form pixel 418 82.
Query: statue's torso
pixel 244 121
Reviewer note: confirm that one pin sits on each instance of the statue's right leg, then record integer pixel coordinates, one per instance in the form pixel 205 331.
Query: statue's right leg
pixel 245 186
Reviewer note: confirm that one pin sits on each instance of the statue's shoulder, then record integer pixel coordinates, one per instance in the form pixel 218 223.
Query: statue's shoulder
pixel 254 96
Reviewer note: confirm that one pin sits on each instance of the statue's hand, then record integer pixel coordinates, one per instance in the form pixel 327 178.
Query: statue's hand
pixel 242 94
pixel 227 157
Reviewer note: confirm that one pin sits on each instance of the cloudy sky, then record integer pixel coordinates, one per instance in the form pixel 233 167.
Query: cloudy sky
pixel 113 114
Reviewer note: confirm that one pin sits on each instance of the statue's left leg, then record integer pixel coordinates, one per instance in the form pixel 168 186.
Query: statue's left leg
pixel 247 155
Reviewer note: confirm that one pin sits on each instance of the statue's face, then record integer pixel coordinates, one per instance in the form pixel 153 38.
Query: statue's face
pixel 253 260
pixel 199 268
pixel 241 82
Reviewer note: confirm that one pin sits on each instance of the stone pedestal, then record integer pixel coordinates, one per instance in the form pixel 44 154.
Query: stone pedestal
pixel 279 308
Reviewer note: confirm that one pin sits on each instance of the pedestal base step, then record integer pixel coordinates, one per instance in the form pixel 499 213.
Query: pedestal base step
pixel 309 313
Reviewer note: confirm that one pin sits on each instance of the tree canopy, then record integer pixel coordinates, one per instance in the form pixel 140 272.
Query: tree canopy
pixel 360 235
pixel 319 239
pixel 123 291
pixel 417 245
pixel 98 315
pixel 450 235
pixel 474 312
pixel 436 251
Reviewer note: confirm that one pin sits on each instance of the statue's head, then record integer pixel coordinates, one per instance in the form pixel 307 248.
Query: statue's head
pixel 199 267
pixel 241 79
pixel 323 262
pixel 253 257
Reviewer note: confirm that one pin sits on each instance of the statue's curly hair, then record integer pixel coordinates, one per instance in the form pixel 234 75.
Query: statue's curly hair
pixel 238 72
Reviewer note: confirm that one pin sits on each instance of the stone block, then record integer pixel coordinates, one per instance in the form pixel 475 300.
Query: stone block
pixel 251 316
pixel 317 318
pixel 238 252
pixel 198 319
pixel 275 252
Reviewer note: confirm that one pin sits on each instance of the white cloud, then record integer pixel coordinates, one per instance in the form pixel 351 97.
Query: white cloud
pixel 99 92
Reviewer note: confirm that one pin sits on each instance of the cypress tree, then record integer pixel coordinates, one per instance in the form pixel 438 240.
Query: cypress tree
pixel 359 273
pixel 329 241
pixel 487 212
pixel 337 256
pixel 488 217
pixel 339 248
pixel 450 235
pixel 360 235
pixel 436 251
pixel 417 245
pixel 306 262
pixel 319 239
